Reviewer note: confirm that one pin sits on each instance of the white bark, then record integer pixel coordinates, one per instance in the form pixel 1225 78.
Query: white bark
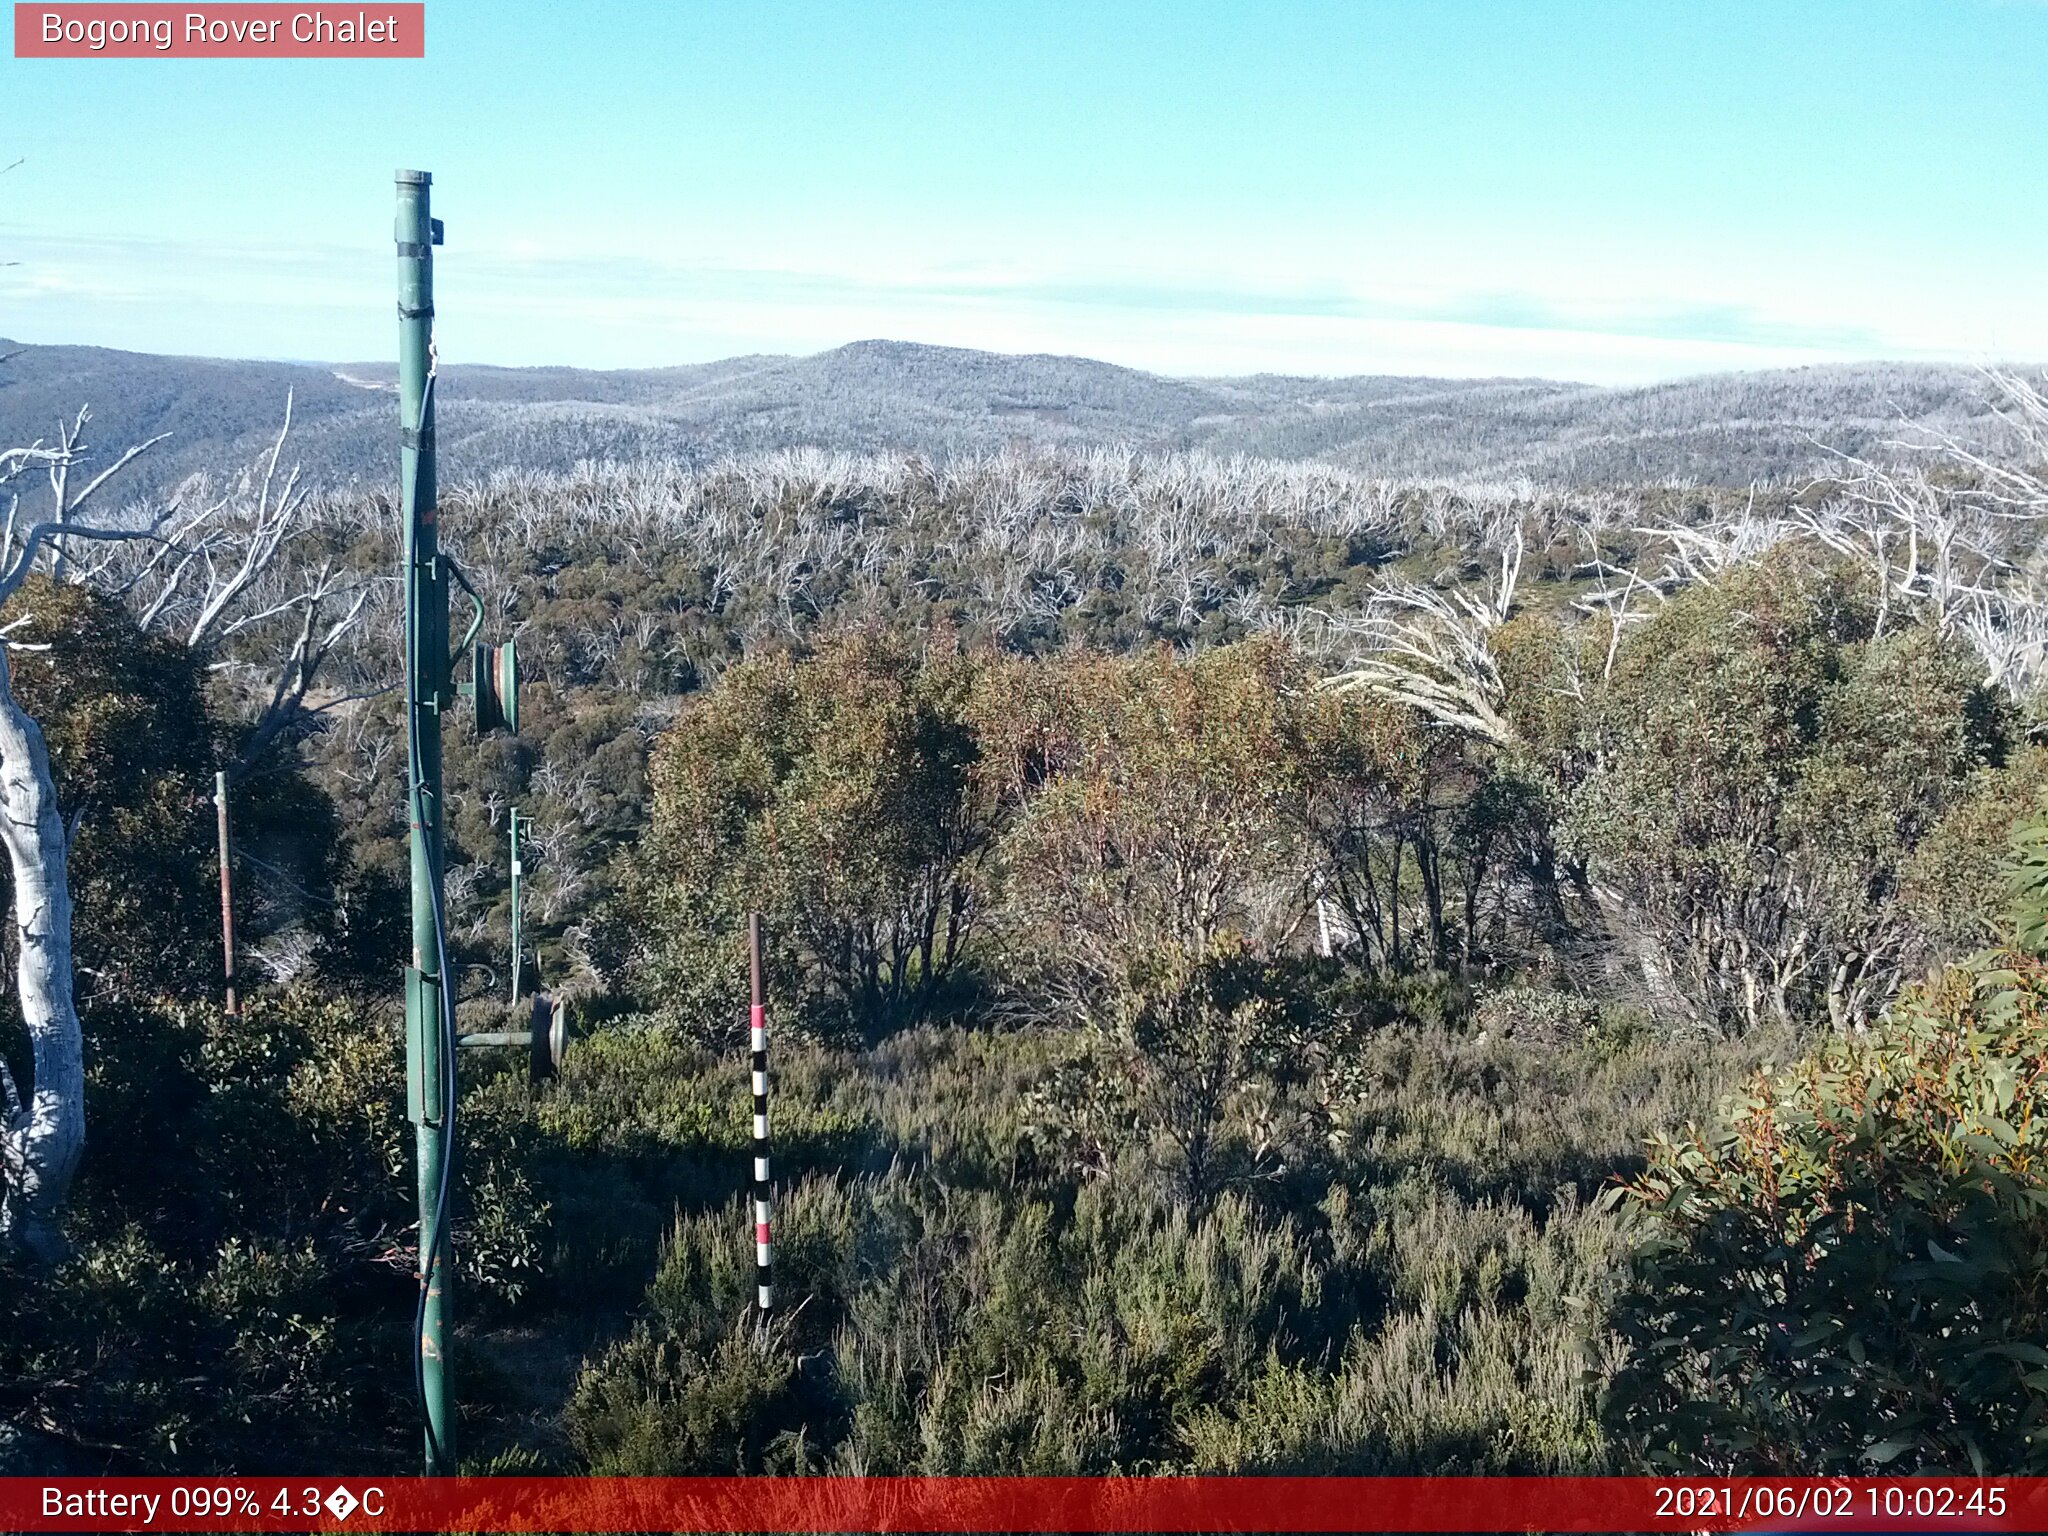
pixel 1431 651
pixel 233 545
pixel 44 1136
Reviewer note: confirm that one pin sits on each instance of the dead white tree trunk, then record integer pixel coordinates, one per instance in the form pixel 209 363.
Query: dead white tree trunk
pixel 44 1135
pixel 232 544
pixel 1430 651
pixel 44 1132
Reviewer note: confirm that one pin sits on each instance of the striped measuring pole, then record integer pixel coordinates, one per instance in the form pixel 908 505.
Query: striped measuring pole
pixel 757 1022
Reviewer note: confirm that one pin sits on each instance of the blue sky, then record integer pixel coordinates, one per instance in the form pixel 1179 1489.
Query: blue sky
pixel 1606 191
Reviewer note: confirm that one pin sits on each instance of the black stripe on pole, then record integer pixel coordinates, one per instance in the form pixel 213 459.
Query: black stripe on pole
pixel 757 1030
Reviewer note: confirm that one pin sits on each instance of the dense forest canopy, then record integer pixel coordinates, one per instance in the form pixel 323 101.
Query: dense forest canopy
pixel 1257 953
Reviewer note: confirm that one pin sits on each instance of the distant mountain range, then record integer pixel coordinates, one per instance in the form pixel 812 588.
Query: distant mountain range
pixel 873 395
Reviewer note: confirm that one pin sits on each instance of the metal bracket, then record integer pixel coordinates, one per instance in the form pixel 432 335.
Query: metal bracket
pixel 422 1071
pixel 446 564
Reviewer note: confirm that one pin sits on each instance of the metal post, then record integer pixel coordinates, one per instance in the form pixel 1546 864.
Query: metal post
pixel 757 1030
pixel 227 892
pixel 430 1067
pixel 518 874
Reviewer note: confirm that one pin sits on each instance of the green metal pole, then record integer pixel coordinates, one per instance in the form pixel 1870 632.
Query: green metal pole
pixel 518 873
pixel 428 690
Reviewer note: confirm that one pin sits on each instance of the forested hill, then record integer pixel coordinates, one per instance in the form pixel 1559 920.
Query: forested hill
pixel 1725 429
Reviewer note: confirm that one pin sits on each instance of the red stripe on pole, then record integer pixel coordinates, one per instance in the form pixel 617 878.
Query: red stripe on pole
pixel 1166 1504
pixel 760 1231
pixel 757 1016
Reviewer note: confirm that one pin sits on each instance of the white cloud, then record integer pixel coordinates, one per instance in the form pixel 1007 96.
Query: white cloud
pixel 528 301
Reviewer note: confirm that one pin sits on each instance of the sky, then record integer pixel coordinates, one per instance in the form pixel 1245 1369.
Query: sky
pixel 1613 192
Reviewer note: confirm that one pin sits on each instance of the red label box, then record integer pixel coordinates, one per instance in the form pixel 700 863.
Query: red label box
pixel 372 30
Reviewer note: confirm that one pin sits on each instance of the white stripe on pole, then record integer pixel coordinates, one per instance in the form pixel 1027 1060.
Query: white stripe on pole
pixel 760 1041
pixel 760 1170
pixel 761 1082
pixel 760 1126
pixel 760 1253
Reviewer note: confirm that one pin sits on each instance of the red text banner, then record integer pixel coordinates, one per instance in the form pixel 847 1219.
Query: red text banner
pixel 602 1504
pixel 239 31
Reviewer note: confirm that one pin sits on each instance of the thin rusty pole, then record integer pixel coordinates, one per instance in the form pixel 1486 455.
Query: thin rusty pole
pixel 227 892
pixel 757 1029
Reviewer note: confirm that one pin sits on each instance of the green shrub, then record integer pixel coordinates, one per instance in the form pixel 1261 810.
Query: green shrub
pixel 242 1290
pixel 1160 816
pixel 1851 1271
pixel 837 797
pixel 1418 1282
pixel 133 754
pixel 251 1357
pixel 1748 788
pixel 657 1408
pixel 1191 1069
pixel 1540 1015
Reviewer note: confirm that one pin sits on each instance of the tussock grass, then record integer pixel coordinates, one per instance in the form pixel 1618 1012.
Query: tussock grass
pixel 1426 1293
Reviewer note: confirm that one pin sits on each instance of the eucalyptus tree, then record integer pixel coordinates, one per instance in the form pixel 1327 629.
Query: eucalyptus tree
pixel 204 566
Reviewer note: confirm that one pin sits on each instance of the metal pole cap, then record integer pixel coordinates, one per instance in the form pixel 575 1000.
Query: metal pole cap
pixel 415 178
